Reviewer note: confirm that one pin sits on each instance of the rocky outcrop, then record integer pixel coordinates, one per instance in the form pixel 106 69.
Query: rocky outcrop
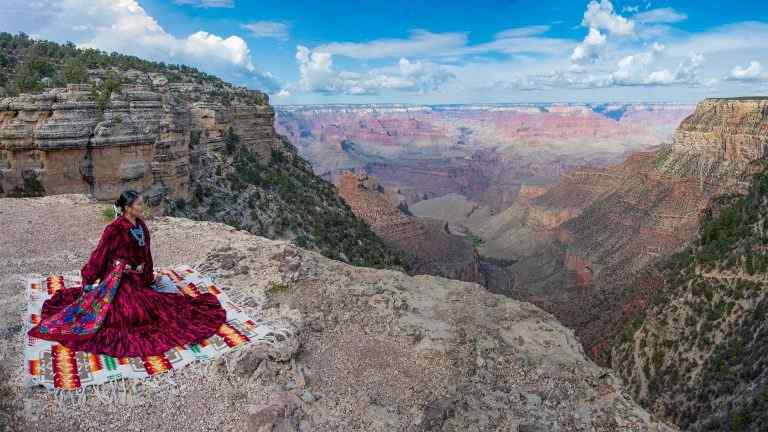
pixel 380 350
pixel 727 129
pixel 147 135
pixel 429 244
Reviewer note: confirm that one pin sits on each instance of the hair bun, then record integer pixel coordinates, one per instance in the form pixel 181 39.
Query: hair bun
pixel 125 199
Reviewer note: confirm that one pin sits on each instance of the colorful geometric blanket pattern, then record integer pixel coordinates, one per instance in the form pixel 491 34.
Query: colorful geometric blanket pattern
pixel 56 367
pixel 85 316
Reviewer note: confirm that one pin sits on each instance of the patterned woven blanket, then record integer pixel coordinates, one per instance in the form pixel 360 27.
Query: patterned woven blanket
pixel 56 367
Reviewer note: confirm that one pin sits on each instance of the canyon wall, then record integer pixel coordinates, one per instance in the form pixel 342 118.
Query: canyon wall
pixel 729 129
pixel 576 245
pixel 147 136
pixel 484 152
pixel 694 349
pixel 428 244
pixel 692 341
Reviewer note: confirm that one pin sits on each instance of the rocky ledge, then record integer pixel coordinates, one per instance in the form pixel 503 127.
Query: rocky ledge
pixel 379 350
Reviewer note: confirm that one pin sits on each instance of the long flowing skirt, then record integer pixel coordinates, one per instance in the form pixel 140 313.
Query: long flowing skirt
pixel 121 317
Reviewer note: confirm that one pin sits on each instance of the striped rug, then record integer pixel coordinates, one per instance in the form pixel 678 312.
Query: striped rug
pixel 56 367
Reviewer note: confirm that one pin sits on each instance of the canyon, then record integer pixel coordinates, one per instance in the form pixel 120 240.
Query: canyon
pixel 429 161
pixel 600 246
pixel 628 235
pixel 601 250
pixel 428 244
pixel 483 152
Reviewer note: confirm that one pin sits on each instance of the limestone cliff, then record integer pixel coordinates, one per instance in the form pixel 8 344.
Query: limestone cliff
pixel 727 129
pixel 378 350
pixel 147 136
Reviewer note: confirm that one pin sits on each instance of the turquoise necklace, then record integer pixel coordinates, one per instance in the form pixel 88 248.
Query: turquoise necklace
pixel 138 235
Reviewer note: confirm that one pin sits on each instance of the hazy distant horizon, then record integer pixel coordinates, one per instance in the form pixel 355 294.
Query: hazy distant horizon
pixel 488 104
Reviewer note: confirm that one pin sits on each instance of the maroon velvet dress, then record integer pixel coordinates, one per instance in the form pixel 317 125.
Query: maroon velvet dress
pixel 139 321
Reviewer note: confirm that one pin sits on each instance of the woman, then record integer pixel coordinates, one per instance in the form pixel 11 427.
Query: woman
pixel 121 315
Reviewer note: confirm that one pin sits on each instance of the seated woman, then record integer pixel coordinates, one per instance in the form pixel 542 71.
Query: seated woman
pixel 121 315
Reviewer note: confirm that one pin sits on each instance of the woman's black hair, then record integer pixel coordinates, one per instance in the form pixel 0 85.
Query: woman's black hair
pixel 126 198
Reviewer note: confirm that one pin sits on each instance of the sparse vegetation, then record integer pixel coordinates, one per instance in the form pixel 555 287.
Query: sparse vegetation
pixel 108 214
pixel 32 65
pixel 102 92
pixel 713 289
pixel 31 187
pixel 277 288
pixel 474 238
pixel 281 198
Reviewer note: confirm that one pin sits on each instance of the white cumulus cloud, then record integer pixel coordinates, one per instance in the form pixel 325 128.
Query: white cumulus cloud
pixel 589 49
pixel 634 68
pixel 600 15
pixel 687 73
pixel 318 75
pixel 753 72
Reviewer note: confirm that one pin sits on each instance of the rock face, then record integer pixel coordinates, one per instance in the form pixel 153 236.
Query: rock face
pixel 576 245
pixel 696 353
pixel 380 350
pixel 148 136
pixel 730 129
pixel 484 152
pixel 428 244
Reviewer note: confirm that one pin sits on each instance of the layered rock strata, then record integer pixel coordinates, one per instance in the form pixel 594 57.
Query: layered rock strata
pixel 429 244
pixel 576 244
pixel 146 137
pixel 484 152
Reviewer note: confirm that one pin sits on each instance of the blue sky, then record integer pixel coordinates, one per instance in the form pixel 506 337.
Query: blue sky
pixel 432 51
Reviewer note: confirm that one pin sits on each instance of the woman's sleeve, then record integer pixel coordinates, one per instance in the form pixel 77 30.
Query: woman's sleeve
pixel 96 267
pixel 149 275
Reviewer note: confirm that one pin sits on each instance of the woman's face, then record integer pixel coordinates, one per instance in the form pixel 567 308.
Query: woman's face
pixel 137 208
